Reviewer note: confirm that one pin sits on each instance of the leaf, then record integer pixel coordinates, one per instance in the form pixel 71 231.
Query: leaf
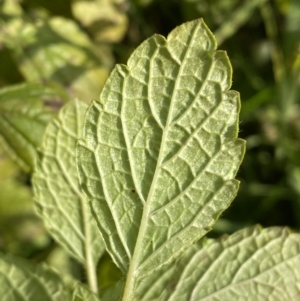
pixel 157 285
pixel 159 152
pixel 25 110
pixel 22 282
pixel 56 49
pixel 113 292
pixel 59 199
pixel 252 264
pixel 83 294
pixel 20 229
pixel 107 24
pixel 15 198
pixel 10 7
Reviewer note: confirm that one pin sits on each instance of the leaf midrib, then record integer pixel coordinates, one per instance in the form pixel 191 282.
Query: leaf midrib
pixel 132 272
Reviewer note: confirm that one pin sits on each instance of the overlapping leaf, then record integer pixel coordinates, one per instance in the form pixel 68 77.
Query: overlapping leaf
pixel 25 110
pixel 21 281
pixel 107 24
pixel 252 264
pixel 56 49
pixel 160 153
pixel 83 294
pixel 59 199
pixel 15 198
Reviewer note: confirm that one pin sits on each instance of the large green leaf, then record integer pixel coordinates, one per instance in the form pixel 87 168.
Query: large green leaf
pixel 21 281
pixel 25 110
pixel 159 152
pixel 59 199
pixel 252 264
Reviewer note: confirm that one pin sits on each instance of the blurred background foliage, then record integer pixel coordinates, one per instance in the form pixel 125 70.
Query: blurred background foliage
pixel 51 51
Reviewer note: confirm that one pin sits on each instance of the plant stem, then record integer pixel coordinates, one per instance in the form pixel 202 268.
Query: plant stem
pixel 236 20
pixel 91 273
pixel 272 33
pixel 89 263
pixel 130 284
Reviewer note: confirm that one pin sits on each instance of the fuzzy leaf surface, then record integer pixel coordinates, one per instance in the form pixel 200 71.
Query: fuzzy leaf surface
pixel 21 281
pixel 252 264
pixel 159 152
pixel 59 200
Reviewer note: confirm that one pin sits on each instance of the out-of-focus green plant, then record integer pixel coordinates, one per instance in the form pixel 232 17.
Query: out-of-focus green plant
pixel 51 51
pixel 47 57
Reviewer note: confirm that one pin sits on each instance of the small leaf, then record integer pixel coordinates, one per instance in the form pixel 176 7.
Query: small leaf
pixel 106 25
pixel 83 294
pixel 159 152
pixel 22 282
pixel 59 199
pixel 25 110
pixel 252 264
